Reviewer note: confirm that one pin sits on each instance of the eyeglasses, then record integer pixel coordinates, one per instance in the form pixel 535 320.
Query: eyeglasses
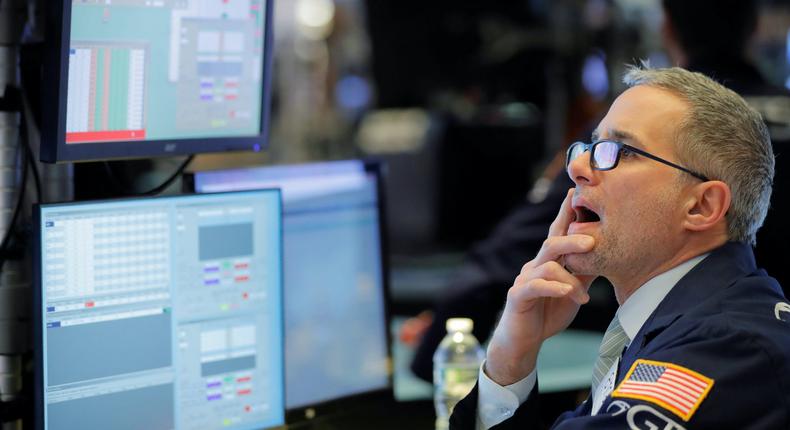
pixel 605 154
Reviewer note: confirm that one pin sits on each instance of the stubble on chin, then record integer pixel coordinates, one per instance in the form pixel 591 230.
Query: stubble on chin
pixel 602 259
pixel 582 264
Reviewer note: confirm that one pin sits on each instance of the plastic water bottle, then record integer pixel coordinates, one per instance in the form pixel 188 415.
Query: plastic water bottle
pixel 455 367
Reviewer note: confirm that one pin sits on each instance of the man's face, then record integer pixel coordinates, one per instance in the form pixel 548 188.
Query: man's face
pixel 637 209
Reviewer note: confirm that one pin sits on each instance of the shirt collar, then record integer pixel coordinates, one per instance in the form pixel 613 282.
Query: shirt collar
pixel 637 309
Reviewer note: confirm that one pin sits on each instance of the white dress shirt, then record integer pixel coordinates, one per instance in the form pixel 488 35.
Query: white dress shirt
pixel 496 403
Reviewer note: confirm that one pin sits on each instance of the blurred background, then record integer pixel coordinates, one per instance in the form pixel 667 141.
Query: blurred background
pixel 468 104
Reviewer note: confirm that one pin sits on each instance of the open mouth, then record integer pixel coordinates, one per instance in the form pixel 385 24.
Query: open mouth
pixel 584 215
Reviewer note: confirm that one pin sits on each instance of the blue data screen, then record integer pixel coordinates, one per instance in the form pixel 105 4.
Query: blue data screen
pixel 144 70
pixel 163 313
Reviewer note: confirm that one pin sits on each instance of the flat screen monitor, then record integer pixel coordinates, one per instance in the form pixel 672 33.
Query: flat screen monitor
pixel 160 313
pixel 336 336
pixel 142 78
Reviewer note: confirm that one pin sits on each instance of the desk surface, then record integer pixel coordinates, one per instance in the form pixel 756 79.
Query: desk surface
pixel 564 364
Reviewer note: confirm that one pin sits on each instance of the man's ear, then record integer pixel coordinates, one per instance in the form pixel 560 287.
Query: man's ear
pixel 707 206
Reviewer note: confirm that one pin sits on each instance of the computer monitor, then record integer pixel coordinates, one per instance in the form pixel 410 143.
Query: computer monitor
pixel 160 313
pixel 142 78
pixel 336 335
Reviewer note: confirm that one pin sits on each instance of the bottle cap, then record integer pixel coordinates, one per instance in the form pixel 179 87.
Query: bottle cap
pixel 459 324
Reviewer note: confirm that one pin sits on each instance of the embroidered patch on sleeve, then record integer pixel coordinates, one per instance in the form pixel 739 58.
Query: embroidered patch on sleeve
pixel 668 385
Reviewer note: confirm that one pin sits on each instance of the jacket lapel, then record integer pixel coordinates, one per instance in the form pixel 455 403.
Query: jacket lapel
pixel 725 265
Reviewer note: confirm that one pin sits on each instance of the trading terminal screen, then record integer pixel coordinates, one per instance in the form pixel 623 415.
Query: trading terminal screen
pixel 162 313
pixel 164 69
pixel 335 320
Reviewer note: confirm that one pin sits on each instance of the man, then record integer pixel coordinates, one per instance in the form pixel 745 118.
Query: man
pixel 667 203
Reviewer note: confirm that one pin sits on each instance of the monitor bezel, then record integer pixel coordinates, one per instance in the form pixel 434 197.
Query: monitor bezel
pixel 54 148
pixel 38 304
pixel 319 411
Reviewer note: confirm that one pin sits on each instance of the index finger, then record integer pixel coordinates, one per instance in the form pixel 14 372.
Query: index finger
pixel 564 218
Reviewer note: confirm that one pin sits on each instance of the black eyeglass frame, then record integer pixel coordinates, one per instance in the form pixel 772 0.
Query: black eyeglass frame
pixel 620 146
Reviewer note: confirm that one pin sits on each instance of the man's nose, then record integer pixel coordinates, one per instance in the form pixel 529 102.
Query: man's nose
pixel 580 171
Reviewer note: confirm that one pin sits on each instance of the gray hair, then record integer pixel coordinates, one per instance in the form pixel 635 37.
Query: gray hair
pixel 723 138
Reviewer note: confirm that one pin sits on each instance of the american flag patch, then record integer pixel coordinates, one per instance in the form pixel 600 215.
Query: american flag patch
pixel 672 387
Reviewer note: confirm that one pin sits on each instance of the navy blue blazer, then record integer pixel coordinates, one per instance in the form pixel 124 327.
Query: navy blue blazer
pixel 726 321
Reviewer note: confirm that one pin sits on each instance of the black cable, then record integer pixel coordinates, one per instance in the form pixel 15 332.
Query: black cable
pixel 114 181
pixel 17 210
pixel 119 186
pixel 29 120
pixel 171 179
pixel 31 158
pixel 15 99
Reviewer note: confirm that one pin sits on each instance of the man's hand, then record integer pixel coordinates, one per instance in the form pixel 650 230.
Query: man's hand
pixel 543 301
